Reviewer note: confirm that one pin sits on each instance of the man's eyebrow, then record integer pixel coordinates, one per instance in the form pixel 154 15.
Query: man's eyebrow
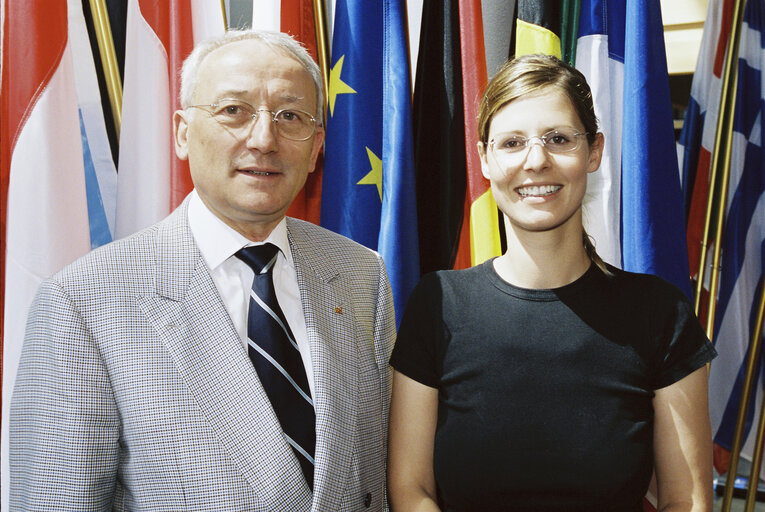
pixel 291 98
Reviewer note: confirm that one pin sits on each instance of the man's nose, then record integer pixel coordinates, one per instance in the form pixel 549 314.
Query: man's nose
pixel 261 132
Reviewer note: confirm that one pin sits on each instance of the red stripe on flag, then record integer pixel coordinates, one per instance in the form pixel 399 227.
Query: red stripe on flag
pixel 698 210
pixel 34 38
pixel 297 19
pixel 722 42
pixel 171 21
pixel 473 57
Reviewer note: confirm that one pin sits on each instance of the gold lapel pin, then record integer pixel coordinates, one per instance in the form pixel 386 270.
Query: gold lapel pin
pixel 339 310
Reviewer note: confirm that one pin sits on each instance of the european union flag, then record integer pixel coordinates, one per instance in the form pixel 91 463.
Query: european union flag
pixel 368 190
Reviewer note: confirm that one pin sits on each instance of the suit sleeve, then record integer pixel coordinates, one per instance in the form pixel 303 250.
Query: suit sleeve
pixel 385 329
pixel 64 424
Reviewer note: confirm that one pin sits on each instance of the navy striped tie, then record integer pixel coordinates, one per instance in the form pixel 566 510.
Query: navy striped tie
pixel 275 355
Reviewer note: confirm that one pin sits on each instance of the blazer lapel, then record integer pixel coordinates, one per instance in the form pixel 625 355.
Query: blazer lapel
pixel 194 326
pixel 330 326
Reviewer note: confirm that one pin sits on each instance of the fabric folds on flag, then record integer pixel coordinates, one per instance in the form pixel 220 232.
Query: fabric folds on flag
pixel 743 239
pixel 368 183
pixel 633 207
pixel 439 136
pixel 458 219
pixel 152 180
pixel 697 138
pixel 538 28
pixel 481 221
pixel 548 27
pixel 57 177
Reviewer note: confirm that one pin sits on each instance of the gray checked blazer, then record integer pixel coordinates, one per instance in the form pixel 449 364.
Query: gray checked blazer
pixel 134 391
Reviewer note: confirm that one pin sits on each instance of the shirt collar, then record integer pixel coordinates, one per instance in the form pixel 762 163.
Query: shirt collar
pixel 217 241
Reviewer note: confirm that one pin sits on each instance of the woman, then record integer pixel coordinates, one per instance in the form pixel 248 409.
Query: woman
pixel 545 379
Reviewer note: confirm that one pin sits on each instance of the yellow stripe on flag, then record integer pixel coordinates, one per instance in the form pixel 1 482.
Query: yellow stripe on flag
pixel 484 229
pixel 532 38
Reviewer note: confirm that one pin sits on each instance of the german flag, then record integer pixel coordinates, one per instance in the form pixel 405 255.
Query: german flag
pixel 458 223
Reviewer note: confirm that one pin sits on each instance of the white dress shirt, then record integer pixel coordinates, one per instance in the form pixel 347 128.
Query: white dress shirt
pixel 218 243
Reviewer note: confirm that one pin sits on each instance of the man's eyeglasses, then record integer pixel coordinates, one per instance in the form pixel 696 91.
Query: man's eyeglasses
pixel 510 146
pixel 238 115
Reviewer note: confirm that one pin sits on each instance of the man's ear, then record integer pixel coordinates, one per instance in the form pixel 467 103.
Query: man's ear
pixel 318 143
pixel 181 134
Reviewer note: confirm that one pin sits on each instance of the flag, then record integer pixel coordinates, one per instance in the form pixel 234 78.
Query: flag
pixel 743 238
pixel 458 219
pixel 538 28
pixel 439 136
pixel 698 135
pixel 159 35
pixel 695 154
pixel 481 218
pixel 633 207
pixel 368 189
pixel 57 177
pixel 548 27
pixel 295 17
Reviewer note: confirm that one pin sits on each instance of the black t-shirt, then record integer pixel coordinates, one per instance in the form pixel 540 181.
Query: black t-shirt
pixel 545 396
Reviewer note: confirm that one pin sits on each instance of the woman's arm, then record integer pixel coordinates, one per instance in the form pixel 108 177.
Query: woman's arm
pixel 413 415
pixel 683 445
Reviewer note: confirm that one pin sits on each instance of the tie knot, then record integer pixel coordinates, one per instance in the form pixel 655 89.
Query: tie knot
pixel 260 258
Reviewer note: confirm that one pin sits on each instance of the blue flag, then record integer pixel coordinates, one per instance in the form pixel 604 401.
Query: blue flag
pixel 635 209
pixel 368 189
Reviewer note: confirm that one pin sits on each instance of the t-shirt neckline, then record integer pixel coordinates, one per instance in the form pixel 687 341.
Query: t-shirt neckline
pixel 538 294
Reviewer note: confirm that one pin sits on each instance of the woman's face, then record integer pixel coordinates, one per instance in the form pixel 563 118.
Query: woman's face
pixel 538 188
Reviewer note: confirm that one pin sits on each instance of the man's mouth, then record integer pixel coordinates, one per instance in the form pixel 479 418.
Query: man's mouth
pixel 256 173
pixel 538 190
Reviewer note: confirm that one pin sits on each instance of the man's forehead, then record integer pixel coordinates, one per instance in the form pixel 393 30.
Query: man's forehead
pixel 233 70
pixel 252 51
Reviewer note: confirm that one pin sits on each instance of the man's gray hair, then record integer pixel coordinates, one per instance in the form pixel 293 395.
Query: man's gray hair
pixel 277 40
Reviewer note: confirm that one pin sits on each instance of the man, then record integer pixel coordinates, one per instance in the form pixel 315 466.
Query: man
pixel 142 383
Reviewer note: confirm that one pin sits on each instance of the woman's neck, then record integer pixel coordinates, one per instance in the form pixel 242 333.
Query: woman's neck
pixel 543 260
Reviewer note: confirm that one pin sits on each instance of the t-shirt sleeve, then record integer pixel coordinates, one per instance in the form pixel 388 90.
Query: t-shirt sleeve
pixel 416 349
pixel 685 345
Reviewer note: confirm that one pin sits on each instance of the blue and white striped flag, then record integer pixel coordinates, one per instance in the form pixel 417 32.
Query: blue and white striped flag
pixel 743 239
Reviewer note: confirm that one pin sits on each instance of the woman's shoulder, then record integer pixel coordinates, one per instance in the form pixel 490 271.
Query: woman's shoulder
pixel 640 284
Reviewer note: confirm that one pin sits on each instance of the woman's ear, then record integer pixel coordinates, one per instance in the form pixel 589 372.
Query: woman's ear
pixel 596 153
pixel 484 163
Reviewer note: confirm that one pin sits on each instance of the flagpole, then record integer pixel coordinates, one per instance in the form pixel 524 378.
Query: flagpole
pixel 225 18
pixel 108 60
pixel 724 127
pixel 754 474
pixel 728 113
pixel 322 44
pixel 721 155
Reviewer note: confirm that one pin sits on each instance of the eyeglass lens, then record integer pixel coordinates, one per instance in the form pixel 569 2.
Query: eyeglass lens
pixel 559 140
pixel 289 123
